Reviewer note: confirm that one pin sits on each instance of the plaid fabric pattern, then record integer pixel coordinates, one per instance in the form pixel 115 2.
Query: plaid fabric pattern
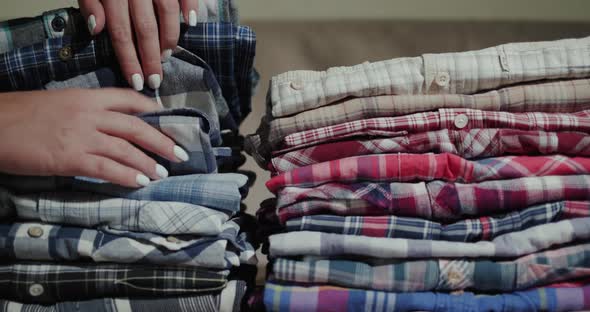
pixel 221 192
pixel 568 263
pixel 442 119
pixel 428 167
pixel 90 211
pixel 469 144
pixel 513 244
pixel 229 299
pixel 438 200
pixel 327 298
pixel 468 230
pixel 59 243
pixel 87 280
pixel 445 73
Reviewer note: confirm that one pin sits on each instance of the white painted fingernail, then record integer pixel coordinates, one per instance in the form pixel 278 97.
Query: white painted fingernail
pixel 161 171
pixel 166 55
pixel 180 153
pixel 137 82
pixel 91 24
pixel 192 18
pixel 154 81
pixel 142 180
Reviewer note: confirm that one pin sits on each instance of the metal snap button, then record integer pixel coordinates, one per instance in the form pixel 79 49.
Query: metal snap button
pixel 35 231
pixel 66 53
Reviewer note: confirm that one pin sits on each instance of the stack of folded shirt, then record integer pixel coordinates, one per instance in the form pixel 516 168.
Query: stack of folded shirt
pixel 181 243
pixel 446 182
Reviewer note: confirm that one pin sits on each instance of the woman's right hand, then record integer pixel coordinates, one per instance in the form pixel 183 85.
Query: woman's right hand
pixel 82 133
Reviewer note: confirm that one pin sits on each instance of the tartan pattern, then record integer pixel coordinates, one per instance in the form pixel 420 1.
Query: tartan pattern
pixel 469 144
pixel 468 230
pixel 510 245
pixel 90 211
pixel 427 167
pixel 463 73
pixel 278 298
pixel 442 119
pixel 84 281
pixel 221 192
pixel 438 200
pixel 229 299
pixel 61 243
pixel 538 269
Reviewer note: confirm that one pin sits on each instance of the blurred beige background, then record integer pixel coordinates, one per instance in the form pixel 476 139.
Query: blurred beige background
pixel 316 34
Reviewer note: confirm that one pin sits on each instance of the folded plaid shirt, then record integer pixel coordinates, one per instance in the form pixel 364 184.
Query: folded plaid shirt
pixel 538 269
pixel 510 245
pixel 469 144
pixel 445 73
pixel 229 299
pixel 327 298
pixel 91 211
pixel 34 241
pixel 438 200
pixel 221 192
pixel 82 281
pixel 427 167
pixel 227 49
pixel 554 97
pixel 468 230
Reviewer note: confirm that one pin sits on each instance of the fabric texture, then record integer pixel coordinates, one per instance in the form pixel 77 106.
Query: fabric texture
pixel 327 298
pixel 82 281
pixel 513 244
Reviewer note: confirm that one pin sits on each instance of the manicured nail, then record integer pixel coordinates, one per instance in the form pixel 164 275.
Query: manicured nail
pixel 161 171
pixel 192 18
pixel 137 82
pixel 180 153
pixel 154 81
pixel 166 55
pixel 142 180
pixel 91 24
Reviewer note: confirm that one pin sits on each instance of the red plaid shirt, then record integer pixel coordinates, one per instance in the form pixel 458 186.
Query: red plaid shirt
pixel 428 167
pixel 470 144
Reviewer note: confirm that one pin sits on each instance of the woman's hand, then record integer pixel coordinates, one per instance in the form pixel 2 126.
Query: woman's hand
pixel 82 133
pixel 155 26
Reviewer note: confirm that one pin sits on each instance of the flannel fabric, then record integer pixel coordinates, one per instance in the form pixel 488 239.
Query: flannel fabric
pixel 469 144
pixel 446 73
pixel 427 167
pixel 553 97
pixel 514 244
pixel 34 241
pixel 328 298
pixel 438 200
pixel 443 119
pixel 468 230
pixel 91 211
pixel 22 32
pixel 228 300
pixel 82 281
pixel 221 192
pixel 538 269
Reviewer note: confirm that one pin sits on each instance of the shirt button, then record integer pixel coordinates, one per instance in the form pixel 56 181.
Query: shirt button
pixel 35 231
pixel 296 85
pixel 36 290
pixel 461 121
pixel 66 53
pixel 58 23
pixel 172 239
pixel 442 79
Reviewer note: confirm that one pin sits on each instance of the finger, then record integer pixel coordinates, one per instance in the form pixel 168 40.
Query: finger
pixel 103 168
pixel 125 153
pixel 135 130
pixel 124 101
pixel 169 26
pixel 189 11
pixel 119 26
pixel 146 32
pixel 93 12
